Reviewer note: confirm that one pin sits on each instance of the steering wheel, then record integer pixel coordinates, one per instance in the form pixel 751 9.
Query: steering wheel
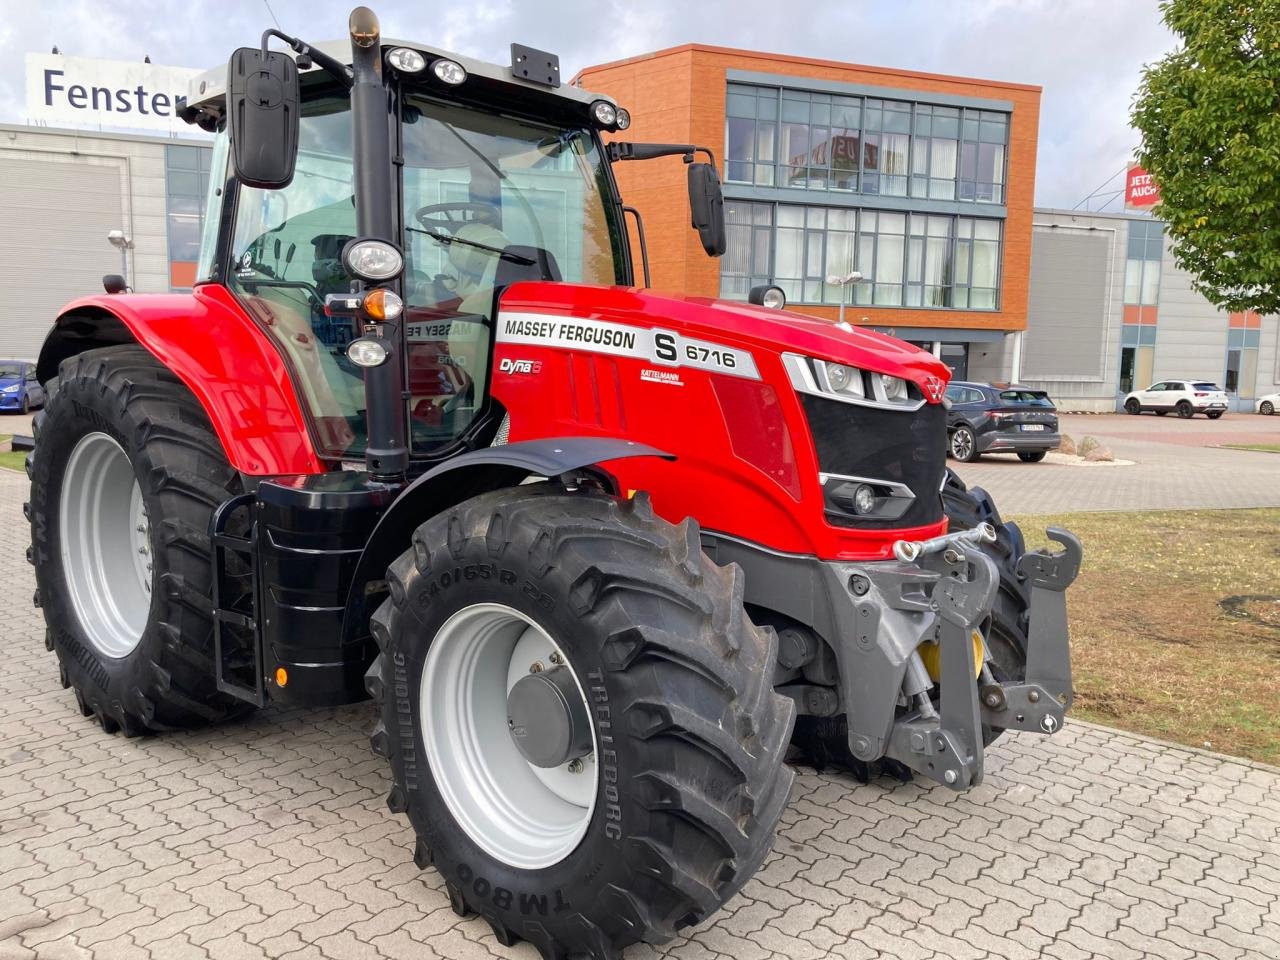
pixel 450 217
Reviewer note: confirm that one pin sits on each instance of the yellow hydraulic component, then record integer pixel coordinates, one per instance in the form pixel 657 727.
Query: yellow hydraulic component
pixel 931 654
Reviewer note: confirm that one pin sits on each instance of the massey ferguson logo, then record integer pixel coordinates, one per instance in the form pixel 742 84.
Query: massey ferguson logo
pixel 934 388
pixel 520 366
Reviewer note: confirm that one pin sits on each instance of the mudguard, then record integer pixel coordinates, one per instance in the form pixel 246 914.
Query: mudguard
pixel 469 475
pixel 214 347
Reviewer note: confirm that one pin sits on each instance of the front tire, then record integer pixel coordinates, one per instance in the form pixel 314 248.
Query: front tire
pixel 1267 408
pixel 124 478
pixel 1132 406
pixel 688 734
pixel 964 446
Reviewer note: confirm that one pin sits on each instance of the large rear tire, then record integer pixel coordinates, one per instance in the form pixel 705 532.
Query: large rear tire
pixel 125 475
pixel 688 736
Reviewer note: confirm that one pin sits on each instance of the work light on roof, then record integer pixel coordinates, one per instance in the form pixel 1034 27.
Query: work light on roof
pixel 624 119
pixel 449 71
pixel 406 60
pixel 605 113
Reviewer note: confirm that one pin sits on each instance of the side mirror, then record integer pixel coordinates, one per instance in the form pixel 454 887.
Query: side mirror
pixel 706 203
pixel 113 283
pixel 263 106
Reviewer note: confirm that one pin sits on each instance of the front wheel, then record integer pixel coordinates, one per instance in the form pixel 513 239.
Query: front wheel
pixel 1267 408
pixel 1184 410
pixel 964 446
pixel 579 717
pixel 26 405
pixel 125 475
pixel 1132 406
pixel 1031 456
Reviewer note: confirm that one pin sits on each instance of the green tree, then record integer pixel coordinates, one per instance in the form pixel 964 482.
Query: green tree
pixel 1209 115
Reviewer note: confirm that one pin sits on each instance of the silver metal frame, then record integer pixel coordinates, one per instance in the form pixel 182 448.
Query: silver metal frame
pixel 805 380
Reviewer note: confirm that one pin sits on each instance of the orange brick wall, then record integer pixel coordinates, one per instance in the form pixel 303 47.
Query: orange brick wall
pixel 678 96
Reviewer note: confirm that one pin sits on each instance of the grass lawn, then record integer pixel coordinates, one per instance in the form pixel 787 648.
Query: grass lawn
pixel 13 459
pixel 1259 447
pixel 1175 625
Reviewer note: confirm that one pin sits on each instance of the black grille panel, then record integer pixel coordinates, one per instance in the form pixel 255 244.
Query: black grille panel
pixel 908 447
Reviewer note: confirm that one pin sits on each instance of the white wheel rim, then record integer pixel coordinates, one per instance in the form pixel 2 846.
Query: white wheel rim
pixel 106 545
pixel 523 815
pixel 961 444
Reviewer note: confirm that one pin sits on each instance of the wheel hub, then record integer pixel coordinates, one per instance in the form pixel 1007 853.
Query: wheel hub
pixel 548 719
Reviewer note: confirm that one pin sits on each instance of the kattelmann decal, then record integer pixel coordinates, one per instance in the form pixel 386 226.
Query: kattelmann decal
pixel 622 340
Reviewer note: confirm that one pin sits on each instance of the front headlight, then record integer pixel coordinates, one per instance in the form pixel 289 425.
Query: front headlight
pixel 12 389
pixel 850 384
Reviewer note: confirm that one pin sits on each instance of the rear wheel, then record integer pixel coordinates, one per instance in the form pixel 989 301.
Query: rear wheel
pixel 1214 415
pixel 964 446
pixel 1132 406
pixel 1031 456
pixel 579 718
pixel 124 477
pixel 1184 410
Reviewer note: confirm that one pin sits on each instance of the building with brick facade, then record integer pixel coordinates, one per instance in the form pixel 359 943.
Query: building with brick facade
pixel 922 183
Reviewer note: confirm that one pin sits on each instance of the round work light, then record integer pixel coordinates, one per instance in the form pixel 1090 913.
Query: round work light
pixel 449 71
pixel 373 260
pixel 367 352
pixel 406 60
pixel 605 113
pixel 624 119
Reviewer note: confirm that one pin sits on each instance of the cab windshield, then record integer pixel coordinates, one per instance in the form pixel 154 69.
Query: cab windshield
pixel 487 200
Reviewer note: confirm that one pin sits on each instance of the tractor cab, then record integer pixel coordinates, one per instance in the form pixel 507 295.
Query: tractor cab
pixel 500 175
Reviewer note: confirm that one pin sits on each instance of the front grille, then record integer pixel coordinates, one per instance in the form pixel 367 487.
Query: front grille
pixel 906 447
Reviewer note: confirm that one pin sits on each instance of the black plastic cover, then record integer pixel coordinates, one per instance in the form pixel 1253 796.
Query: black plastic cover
pixel 909 447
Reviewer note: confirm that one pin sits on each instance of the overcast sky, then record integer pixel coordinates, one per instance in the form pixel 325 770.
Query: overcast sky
pixel 1086 54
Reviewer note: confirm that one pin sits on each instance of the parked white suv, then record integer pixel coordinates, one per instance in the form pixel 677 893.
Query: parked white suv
pixel 1186 398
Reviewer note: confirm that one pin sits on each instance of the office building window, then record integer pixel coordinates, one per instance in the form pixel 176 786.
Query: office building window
pixel 1142 264
pixel 894 148
pixel 749 253
pixel 186 184
pixel 913 260
pixel 1242 361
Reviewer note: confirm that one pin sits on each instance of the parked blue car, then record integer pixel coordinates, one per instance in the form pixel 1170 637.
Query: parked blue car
pixel 19 388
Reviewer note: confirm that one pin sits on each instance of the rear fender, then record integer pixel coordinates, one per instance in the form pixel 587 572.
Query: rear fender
pixel 214 347
pixel 461 478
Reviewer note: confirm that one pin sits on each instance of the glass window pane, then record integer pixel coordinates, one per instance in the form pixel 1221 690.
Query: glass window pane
pixel 1150 281
pixel 946 123
pixel 1132 280
pixel 767 104
pixel 790 215
pixel 986 260
pixel 795 108
pixel 740 104
pixel 982 299
pixel 893 223
pixel 986 229
pixel 889 257
pixel 846 113
pixel 741 139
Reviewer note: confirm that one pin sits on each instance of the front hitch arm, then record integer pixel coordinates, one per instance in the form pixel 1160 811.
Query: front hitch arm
pixel 1039 703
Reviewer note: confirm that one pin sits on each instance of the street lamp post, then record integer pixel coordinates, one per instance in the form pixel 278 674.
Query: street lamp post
pixel 119 240
pixel 844 282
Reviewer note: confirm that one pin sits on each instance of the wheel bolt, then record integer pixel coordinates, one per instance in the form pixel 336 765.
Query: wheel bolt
pixel 556 658
pixel 575 766
pixel 536 667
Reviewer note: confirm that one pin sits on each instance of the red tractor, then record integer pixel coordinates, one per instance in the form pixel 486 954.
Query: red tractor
pixel 600 556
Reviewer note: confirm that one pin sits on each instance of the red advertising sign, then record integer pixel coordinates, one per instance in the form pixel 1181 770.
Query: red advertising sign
pixel 1140 190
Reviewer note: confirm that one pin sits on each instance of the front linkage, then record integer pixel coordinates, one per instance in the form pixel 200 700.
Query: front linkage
pixel 942 592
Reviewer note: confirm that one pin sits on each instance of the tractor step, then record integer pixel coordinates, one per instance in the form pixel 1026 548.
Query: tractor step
pixel 237 641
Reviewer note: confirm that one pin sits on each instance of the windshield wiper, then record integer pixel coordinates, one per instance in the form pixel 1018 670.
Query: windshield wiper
pixel 446 239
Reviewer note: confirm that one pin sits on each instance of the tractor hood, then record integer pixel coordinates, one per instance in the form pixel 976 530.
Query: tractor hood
pixel 743 325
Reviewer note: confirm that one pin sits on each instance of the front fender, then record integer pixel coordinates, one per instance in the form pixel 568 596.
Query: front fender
pixel 216 349
pixel 466 476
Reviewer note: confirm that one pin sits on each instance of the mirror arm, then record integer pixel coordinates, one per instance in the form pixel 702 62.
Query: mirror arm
pixel 328 64
pixel 621 150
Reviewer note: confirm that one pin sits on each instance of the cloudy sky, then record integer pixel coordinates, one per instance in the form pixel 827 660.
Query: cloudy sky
pixel 1086 54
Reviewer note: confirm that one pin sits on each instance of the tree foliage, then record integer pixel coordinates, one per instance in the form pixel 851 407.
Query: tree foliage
pixel 1209 115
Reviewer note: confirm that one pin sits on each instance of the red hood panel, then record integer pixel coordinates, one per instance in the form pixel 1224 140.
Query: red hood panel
pixel 738 324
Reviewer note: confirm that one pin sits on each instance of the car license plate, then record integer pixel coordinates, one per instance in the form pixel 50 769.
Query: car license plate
pixel 1033 426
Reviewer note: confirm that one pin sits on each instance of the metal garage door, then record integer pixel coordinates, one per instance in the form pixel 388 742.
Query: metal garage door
pixel 54 219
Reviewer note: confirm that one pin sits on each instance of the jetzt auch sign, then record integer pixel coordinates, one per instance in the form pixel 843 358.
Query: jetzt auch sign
pixel 110 93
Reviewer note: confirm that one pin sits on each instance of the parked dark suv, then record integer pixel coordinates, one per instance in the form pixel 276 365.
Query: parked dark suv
pixel 1000 419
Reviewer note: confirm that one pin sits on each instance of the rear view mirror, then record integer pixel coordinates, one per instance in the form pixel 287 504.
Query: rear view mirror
pixel 113 283
pixel 262 114
pixel 706 203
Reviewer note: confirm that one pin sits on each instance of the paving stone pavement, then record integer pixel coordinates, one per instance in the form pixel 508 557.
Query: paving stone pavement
pixel 270 838
pixel 1178 465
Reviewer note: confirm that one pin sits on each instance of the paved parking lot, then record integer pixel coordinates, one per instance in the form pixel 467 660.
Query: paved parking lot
pixel 270 838
pixel 1178 464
